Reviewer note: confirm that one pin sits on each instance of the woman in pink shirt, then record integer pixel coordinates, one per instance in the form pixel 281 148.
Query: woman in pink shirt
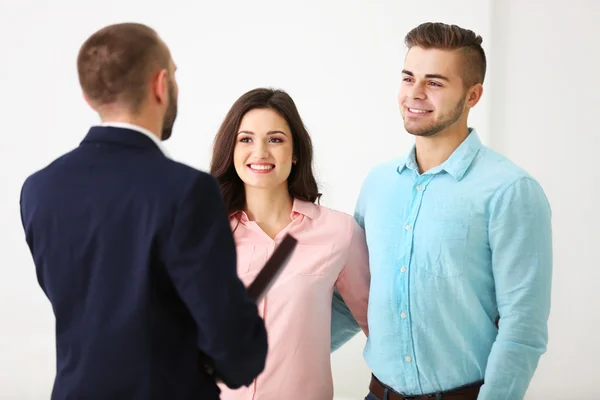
pixel 262 159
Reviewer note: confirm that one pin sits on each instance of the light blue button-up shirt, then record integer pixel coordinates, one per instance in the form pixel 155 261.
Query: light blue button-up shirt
pixel 452 250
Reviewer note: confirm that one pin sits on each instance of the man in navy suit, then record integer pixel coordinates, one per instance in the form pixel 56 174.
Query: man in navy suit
pixel 134 250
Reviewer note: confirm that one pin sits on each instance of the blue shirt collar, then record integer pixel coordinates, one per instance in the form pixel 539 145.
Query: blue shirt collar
pixel 458 162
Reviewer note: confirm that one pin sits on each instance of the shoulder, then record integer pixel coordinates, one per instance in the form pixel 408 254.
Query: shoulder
pixel 336 219
pixel 385 169
pixel 498 168
pixel 46 176
pixel 506 179
pixel 377 180
pixel 154 175
pixel 187 174
pixel 330 214
pixel 380 174
pixel 493 162
pixel 185 181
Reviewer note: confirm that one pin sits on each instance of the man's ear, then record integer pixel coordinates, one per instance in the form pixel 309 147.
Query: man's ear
pixel 160 86
pixel 475 94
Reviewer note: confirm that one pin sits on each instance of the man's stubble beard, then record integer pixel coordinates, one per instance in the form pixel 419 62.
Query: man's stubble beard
pixel 446 121
pixel 170 115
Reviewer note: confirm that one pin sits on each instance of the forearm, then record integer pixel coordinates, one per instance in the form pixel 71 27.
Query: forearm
pixel 514 358
pixel 524 305
pixel 343 325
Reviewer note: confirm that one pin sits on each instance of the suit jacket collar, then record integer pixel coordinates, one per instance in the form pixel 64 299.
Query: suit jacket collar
pixel 125 135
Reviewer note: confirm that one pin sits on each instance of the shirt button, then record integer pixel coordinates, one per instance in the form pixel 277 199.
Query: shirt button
pixel 403 269
pixel 403 315
pixel 408 358
pixel 408 227
pixel 419 188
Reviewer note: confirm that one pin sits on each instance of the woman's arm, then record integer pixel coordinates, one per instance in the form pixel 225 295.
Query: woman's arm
pixel 353 281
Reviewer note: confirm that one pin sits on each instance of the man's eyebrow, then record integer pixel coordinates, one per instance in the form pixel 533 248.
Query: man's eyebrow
pixel 428 76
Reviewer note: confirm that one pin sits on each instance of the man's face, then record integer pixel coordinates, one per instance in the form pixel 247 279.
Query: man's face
pixel 171 112
pixel 432 96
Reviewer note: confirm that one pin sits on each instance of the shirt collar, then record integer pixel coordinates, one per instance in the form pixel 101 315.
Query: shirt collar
pixel 458 162
pixel 299 207
pixel 305 208
pixel 141 130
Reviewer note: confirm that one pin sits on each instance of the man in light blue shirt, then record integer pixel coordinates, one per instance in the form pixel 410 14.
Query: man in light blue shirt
pixel 460 243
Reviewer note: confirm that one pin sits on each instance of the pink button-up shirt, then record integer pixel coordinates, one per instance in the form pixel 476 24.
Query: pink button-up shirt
pixel 331 252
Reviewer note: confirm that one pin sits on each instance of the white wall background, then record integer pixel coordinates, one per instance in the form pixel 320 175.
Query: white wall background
pixel 340 60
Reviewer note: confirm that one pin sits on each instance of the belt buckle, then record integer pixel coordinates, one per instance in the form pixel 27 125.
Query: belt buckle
pixel 435 396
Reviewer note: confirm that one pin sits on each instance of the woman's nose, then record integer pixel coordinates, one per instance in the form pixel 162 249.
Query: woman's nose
pixel 261 150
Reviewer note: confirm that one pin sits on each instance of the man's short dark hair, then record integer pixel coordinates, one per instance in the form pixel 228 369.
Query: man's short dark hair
pixel 114 64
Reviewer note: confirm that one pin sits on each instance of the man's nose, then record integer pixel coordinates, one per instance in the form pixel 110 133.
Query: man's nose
pixel 416 91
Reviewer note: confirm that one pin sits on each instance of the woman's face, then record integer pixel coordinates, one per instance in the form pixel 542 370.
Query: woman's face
pixel 264 151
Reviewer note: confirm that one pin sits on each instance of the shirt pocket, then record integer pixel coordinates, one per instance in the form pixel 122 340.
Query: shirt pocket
pixel 447 249
pixel 250 260
pixel 310 259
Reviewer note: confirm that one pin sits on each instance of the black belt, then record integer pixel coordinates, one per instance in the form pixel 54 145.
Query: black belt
pixel 467 392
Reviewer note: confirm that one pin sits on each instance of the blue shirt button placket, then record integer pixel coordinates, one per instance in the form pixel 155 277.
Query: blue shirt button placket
pixel 405 318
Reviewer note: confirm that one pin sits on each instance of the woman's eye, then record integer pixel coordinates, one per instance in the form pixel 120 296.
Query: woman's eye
pixel 276 140
pixel 245 140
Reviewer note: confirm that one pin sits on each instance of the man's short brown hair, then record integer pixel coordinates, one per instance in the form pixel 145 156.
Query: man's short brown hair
pixel 437 35
pixel 114 64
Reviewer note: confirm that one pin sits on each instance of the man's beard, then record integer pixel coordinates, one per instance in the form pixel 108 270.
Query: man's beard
pixel 447 120
pixel 170 115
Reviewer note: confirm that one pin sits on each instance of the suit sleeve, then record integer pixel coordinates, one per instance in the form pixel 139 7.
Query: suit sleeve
pixel 201 262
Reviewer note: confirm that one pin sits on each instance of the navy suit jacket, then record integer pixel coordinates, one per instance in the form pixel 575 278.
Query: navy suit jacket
pixel 136 255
